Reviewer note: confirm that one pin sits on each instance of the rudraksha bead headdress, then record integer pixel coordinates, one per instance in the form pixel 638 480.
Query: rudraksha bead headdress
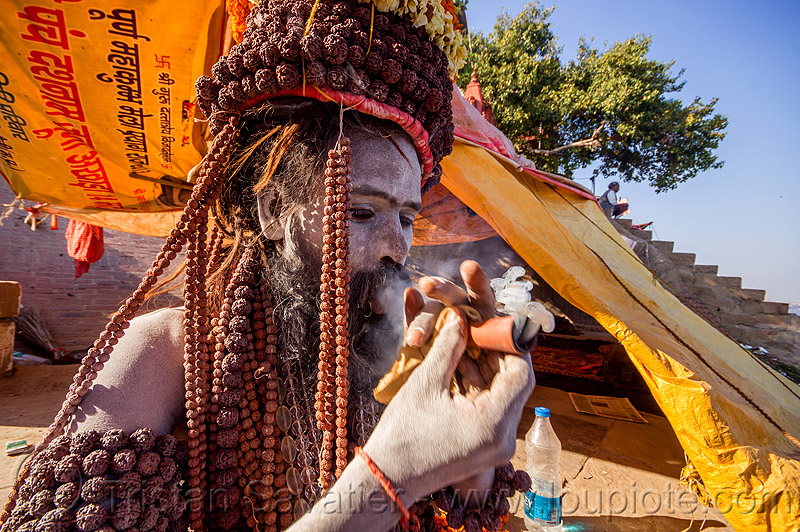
pixel 389 59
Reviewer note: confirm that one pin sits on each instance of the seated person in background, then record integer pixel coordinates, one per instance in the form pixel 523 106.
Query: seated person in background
pixel 608 201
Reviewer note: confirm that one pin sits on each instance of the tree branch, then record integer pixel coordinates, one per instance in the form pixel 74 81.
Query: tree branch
pixel 591 142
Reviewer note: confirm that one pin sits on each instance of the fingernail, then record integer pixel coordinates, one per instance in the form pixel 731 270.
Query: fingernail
pixel 414 338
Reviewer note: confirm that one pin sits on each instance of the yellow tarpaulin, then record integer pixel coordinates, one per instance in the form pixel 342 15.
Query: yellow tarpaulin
pixel 97 102
pixel 737 419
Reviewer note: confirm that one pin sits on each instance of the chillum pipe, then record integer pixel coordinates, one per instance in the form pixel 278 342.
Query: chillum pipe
pixel 514 333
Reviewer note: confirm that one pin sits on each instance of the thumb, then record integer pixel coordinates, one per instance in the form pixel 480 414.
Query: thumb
pixel 448 345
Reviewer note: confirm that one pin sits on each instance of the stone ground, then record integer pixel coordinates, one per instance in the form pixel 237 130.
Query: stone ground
pixel 619 476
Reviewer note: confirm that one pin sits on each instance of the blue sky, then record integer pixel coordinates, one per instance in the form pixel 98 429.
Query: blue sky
pixel 744 217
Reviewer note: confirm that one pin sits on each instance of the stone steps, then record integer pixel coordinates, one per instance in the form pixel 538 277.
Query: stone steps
pixel 683 259
pixel 730 282
pixel 753 294
pixel 741 312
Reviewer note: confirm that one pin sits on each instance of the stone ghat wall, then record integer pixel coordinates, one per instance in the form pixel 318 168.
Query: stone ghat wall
pixel 75 310
pixel 741 312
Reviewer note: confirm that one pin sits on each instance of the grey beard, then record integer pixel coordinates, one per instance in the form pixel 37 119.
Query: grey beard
pixel 374 338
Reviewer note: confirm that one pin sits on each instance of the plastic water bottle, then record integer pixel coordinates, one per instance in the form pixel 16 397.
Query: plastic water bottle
pixel 543 502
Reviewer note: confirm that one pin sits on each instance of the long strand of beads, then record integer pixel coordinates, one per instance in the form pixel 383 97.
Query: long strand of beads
pixel 208 185
pixel 252 424
pixel 193 369
pixel 198 456
pixel 267 379
pixel 343 187
pixel 218 479
pixel 277 422
pixel 231 348
pixel 250 414
pixel 283 448
pixel 325 405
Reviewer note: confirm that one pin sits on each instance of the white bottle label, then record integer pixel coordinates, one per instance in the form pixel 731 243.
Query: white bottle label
pixel 543 510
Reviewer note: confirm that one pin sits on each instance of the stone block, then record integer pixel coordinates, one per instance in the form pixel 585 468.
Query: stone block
pixel 730 282
pixel 713 269
pixel 751 307
pixel 6 345
pixel 10 297
pixel 664 246
pixel 644 234
pixel 705 279
pixel 741 333
pixel 752 294
pixel 683 259
pixel 735 319
pixel 770 307
pixel 717 300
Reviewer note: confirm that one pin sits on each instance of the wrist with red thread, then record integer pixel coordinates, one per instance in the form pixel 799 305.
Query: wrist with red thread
pixel 405 515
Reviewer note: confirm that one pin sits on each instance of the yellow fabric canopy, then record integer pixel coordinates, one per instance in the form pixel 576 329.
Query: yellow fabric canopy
pixel 736 419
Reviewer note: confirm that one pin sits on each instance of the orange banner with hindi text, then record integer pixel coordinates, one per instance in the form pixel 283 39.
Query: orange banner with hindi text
pixel 97 100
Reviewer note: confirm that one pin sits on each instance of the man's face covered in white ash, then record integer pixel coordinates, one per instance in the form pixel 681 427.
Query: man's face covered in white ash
pixel 384 202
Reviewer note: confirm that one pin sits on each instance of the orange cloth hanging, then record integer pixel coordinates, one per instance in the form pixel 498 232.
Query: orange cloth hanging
pixel 84 244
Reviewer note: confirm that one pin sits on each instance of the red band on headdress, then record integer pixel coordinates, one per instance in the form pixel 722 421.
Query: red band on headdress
pixel 363 104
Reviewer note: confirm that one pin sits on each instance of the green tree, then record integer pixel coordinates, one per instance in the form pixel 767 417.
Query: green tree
pixel 615 110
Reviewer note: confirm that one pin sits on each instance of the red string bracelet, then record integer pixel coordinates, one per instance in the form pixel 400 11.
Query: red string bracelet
pixel 405 515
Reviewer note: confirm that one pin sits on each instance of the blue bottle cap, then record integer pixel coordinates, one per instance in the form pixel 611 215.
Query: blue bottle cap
pixel 541 411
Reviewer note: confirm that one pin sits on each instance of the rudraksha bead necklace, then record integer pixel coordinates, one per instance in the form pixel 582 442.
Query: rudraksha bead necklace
pixel 333 384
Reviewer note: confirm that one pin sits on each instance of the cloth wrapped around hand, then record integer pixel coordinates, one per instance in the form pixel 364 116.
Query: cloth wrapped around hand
pixel 508 334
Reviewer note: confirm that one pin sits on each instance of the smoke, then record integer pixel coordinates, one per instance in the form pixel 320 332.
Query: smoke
pixel 377 320
pixel 501 265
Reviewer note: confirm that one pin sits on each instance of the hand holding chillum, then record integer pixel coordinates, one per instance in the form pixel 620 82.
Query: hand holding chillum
pixel 429 437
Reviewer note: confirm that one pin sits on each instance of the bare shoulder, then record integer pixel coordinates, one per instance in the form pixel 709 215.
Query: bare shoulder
pixel 142 383
pixel 160 327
